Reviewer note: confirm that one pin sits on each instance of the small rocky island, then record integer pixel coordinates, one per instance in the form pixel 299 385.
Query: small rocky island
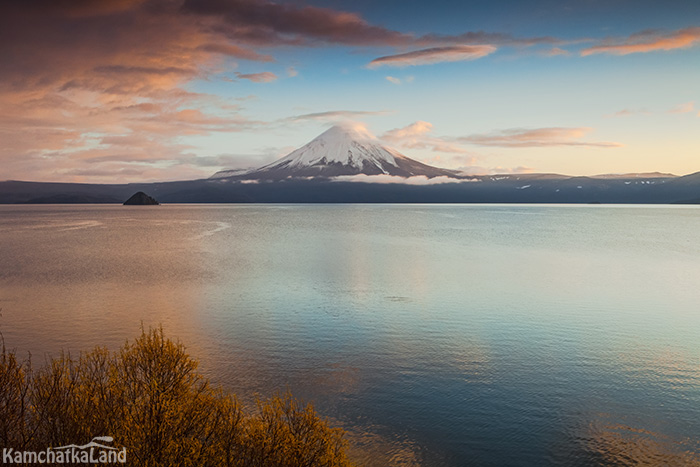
pixel 140 199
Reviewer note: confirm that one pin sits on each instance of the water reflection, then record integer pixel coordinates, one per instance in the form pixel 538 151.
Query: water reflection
pixel 623 445
pixel 369 448
pixel 434 334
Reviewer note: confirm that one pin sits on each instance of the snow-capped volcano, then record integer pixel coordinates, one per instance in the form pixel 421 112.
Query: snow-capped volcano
pixel 348 149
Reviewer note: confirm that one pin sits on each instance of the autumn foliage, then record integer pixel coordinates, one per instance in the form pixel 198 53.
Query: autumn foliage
pixel 149 397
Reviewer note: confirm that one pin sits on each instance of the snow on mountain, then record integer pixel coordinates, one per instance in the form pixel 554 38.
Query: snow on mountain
pixel 347 149
pixel 348 145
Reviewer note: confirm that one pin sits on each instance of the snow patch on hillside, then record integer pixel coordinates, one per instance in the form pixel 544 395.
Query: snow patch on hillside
pixel 416 180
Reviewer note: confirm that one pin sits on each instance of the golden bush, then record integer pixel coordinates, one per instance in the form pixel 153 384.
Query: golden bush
pixel 149 397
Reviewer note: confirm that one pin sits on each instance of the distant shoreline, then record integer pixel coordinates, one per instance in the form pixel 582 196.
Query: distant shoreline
pixel 514 188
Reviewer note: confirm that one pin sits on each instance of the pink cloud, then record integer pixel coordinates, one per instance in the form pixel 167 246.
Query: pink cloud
pixel 538 137
pixel 107 133
pixel 265 22
pixel 102 82
pixel 647 41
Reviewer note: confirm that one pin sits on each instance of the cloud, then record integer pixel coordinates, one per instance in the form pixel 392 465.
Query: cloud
pixel 102 82
pixel 417 180
pixel 87 8
pixel 433 55
pixel 143 70
pixel 108 134
pixel 556 51
pixel 647 41
pixel 126 173
pixel 105 82
pixel 139 46
pixel 495 38
pixel 97 88
pixel 395 80
pixel 538 137
pixel 264 77
pixel 194 122
pixel 417 136
pixel 235 51
pixel 146 41
pixel 336 115
pixel 447 147
pixel 629 112
pixel 292 72
pixel 413 130
pixel 683 108
pixel 239 161
pixel 264 22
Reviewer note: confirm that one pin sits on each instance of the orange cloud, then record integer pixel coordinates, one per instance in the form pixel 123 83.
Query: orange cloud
pixel 433 55
pixel 413 130
pixel 108 134
pixel 538 137
pixel 100 84
pixel 683 108
pixel 648 41
pixel 628 112
pixel 417 136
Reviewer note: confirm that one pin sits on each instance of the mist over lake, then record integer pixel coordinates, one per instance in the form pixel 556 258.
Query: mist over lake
pixel 437 335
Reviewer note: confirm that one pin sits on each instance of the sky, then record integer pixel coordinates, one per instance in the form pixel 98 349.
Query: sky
pixel 114 91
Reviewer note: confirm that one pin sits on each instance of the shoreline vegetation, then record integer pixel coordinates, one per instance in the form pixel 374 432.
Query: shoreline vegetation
pixel 150 399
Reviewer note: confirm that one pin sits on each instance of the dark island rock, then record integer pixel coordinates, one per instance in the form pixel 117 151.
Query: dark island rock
pixel 140 199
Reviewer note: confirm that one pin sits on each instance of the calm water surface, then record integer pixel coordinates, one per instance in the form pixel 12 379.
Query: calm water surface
pixel 437 335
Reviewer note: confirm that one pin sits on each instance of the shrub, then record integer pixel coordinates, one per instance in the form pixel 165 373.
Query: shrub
pixel 149 397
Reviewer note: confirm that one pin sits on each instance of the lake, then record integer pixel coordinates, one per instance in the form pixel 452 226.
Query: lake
pixel 437 335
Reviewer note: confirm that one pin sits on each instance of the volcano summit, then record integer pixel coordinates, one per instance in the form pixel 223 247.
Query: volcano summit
pixel 341 150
